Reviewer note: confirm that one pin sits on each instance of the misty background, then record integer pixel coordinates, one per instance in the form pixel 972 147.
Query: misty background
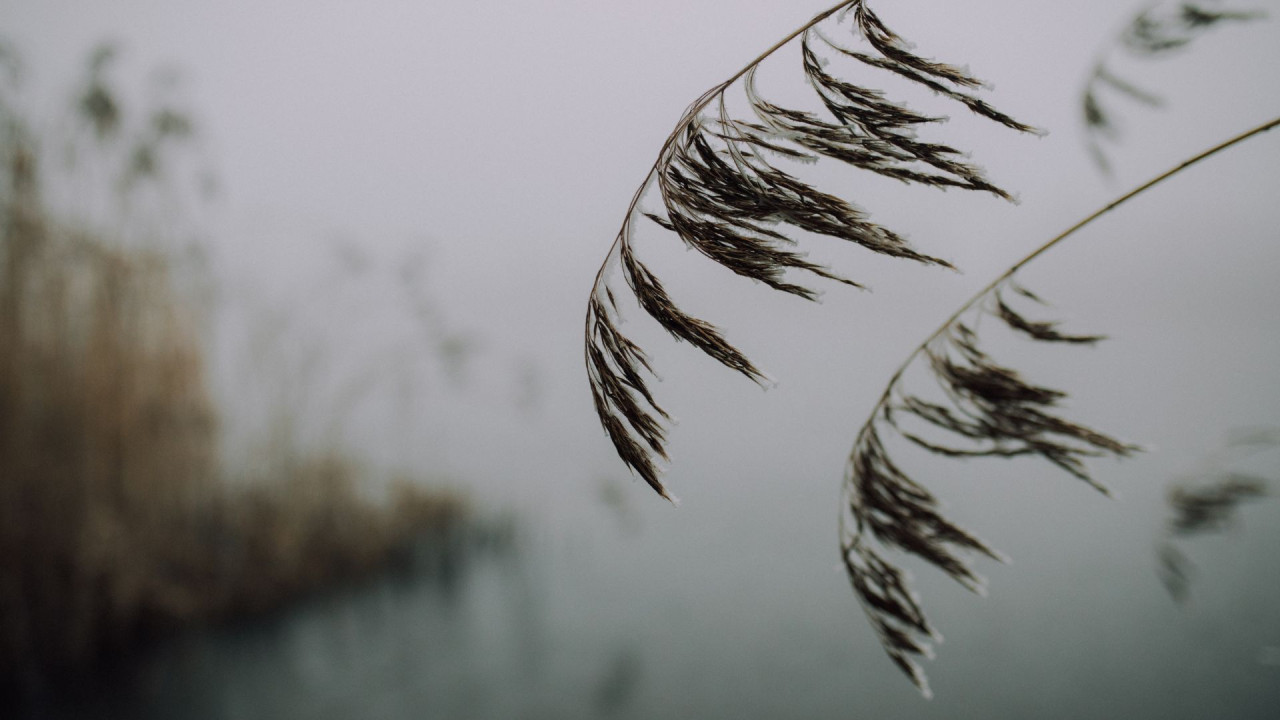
pixel 402 206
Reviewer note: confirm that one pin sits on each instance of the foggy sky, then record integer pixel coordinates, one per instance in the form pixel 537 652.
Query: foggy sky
pixel 507 139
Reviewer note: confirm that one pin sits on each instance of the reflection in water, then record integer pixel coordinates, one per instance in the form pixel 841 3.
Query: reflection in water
pixel 457 630
pixel 504 624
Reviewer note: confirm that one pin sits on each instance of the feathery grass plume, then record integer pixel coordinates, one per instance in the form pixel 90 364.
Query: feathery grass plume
pixel 1208 502
pixel 724 194
pixel 1209 508
pixel 1155 32
pixel 988 410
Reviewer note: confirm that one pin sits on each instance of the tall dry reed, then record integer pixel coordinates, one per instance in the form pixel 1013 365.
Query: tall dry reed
pixel 116 520
pixel 724 186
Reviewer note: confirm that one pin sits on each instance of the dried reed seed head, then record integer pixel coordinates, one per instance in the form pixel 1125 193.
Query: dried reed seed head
pixel 1162 28
pixel 724 194
pixel 987 410
pixel 1156 32
pixel 1212 507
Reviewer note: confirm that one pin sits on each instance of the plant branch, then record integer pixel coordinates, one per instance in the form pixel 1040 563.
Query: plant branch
pixel 698 106
pixel 1224 145
pixel 723 195
pixel 993 412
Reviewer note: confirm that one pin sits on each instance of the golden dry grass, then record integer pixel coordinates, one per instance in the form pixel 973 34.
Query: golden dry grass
pixel 115 518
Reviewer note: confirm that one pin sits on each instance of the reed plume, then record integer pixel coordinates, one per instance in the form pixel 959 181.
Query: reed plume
pixel 1156 32
pixel 725 193
pixel 1208 502
pixel 989 411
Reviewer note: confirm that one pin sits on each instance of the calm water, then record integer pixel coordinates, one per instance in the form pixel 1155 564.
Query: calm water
pixel 558 625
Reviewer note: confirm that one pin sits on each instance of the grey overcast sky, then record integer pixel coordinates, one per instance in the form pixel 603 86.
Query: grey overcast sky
pixel 507 139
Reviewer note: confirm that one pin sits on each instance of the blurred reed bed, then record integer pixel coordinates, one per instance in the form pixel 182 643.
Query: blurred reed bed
pixel 117 520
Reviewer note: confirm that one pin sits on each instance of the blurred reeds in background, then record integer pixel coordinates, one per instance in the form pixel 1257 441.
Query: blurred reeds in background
pixel 118 522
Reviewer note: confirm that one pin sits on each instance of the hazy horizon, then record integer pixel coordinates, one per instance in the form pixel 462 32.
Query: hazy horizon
pixel 496 149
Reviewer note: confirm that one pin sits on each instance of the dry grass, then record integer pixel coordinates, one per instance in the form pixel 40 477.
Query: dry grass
pixel 726 190
pixel 1209 501
pixel 116 522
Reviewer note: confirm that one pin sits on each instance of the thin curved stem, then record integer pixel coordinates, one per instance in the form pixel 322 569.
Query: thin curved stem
pixel 620 250
pixel 1084 222
pixel 697 107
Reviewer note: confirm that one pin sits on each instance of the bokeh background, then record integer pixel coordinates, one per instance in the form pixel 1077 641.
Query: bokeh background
pixel 295 422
